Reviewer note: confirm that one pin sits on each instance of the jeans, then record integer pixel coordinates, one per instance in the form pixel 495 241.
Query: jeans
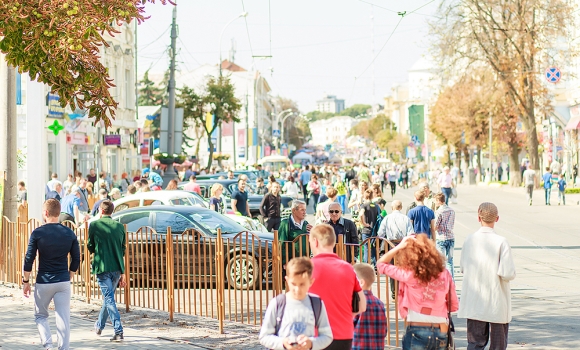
pixel 59 292
pixel 424 338
pixel 108 282
pixel 365 247
pixel 561 197
pixel 446 248
pixel 342 201
pixel 447 192
pixel 547 191
pixel 314 201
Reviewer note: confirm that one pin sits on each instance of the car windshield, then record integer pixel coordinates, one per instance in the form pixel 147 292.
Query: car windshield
pixel 182 201
pixel 211 221
pixel 250 188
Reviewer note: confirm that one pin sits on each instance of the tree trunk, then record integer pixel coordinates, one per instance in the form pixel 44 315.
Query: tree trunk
pixel 210 158
pixel 479 170
pixel 515 174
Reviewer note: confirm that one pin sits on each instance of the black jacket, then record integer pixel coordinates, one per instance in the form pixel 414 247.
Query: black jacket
pixel 348 229
pixel 270 206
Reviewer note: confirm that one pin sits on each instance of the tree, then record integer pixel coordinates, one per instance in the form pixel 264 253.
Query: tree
pixel 192 105
pixel 514 38
pixel 217 100
pixel 356 110
pixel 371 127
pixel 318 115
pixel 58 42
pixel 297 129
pixel 149 93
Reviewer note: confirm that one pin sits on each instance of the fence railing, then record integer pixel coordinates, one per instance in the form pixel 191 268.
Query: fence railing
pixel 229 277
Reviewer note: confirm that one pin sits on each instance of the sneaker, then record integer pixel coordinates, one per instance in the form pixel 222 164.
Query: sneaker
pixel 117 337
pixel 530 202
pixel 97 330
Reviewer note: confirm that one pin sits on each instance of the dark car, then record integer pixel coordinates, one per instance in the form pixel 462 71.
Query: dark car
pixel 252 175
pixel 194 232
pixel 230 186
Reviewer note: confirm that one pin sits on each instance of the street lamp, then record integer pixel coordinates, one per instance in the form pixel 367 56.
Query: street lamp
pixel 243 14
pixel 277 122
pixel 283 120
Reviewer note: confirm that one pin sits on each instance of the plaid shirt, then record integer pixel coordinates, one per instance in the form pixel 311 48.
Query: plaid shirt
pixel 370 327
pixel 444 222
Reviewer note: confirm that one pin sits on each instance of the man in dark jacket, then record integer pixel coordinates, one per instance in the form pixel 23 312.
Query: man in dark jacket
pixel 270 207
pixel 346 228
pixel 107 242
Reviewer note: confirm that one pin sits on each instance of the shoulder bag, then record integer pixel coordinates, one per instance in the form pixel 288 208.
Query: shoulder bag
pixel 451 328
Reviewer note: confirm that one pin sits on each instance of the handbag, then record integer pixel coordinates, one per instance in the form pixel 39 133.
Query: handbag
pixel 451 328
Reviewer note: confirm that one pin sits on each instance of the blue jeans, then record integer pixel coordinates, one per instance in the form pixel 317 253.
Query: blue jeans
pixel 561 197
pixel 365 247
pixel 342 202
pixel 108 282
pixel 446 248
pixel 424 338
pixel 547 191
pixel 447 192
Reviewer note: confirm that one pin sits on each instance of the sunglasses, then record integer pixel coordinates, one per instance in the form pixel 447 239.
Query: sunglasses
pixel 334 211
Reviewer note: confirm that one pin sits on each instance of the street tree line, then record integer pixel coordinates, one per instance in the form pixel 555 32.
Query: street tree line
pixel 492 54
pixel 383 132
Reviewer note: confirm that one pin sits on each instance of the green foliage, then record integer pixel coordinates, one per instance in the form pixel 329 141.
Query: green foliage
pixel 58 43
pixel 572 190
pixel 317 115
pixel 356 110
pixel 371 127
pixel 149 93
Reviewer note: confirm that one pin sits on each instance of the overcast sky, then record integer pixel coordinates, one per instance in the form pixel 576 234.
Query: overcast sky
pixel 318 47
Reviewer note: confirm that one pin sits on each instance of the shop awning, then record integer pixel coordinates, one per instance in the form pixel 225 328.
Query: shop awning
pixel 573 123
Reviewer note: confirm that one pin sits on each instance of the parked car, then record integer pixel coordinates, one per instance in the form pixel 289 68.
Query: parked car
pixel 243 269
pixel 230 186
pixel 252 175
pixel 249 224
pixel 174 197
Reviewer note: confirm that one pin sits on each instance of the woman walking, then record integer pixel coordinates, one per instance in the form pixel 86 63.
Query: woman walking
pixel 426 290
pixel 313 189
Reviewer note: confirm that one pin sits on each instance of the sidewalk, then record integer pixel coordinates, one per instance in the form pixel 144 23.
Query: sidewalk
pixel 143 329
pixel 538 197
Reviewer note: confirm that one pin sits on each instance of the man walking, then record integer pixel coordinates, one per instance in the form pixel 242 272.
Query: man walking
pixel 304 180
pixel 192 185
pixel 444 223
pixel 346 228
pixel 422 218
pixel 270 207
pixel 529 177
pixel 54 243
pixel 107 243
pixel 547 184
pixel 392 177
pixel 487 266
pixel 428 200
pixel 445 181
pixel 335 282
pixel 368 215
pixel 240 202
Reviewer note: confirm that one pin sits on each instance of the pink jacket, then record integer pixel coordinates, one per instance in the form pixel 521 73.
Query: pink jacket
pixel 430 299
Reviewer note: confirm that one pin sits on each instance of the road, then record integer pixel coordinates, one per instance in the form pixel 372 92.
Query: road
pixel 545 242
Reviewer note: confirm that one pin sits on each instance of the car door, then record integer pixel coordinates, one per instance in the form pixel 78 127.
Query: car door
pixel 138 243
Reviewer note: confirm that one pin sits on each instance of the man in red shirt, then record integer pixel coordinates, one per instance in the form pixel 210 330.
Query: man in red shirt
pixel 335 282
pixel 193 186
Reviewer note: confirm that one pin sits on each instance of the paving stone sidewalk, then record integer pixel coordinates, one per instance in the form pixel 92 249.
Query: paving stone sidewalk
pixel 143 328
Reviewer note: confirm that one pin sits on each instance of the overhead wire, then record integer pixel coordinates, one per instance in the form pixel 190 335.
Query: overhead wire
pixel 187 50
pixel 152 42
pixel 248 31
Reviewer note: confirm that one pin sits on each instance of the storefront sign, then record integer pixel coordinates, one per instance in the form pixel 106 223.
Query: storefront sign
pixel 77 139
pixel 112 140
pixel 54 108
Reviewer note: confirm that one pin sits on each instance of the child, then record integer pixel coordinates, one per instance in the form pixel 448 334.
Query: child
pixel 561 190
pixel 293 327
pixel 370 327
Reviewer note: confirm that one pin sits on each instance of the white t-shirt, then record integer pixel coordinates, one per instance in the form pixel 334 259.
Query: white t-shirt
pixel 529 176
pixel 291 189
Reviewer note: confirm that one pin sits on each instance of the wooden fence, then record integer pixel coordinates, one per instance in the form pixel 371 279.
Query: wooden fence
pixel 230 277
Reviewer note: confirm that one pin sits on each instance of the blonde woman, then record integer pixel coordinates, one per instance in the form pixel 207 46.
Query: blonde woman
pixel 216 201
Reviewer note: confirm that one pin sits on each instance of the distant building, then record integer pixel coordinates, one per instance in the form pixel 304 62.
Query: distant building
pixel 330 104
pixel 333 130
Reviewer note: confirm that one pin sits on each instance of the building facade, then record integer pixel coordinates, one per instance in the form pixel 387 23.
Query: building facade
pixel 331 131
pixel 330 104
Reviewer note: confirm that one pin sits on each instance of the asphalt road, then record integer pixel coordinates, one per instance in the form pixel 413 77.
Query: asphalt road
pixel 545 243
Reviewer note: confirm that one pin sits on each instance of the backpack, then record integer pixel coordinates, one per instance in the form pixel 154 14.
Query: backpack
pixel 315 301
pixel 377 225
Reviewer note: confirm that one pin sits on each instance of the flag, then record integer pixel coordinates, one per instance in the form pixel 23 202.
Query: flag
pixel 228 129
pixel 241 137
pixel 253 140
pixel 209 121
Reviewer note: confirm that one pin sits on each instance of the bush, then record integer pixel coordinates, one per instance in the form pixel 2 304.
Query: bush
pixel 500 182
pixel 572 190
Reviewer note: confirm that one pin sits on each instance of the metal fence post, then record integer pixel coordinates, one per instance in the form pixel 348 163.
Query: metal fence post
pixel 220 283
pixel 86 263
pixel 170 268
pixel 276 268
pixel 340 247
pixel 127 289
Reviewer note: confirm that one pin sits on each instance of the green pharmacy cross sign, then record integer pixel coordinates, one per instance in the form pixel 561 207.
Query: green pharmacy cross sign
pixel 55 127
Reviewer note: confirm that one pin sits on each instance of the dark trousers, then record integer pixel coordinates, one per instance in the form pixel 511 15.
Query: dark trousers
pixel 479 333
pixel 447 192
pixel 393 185
pixel 305 193
pixel 340 345
pixel 273 224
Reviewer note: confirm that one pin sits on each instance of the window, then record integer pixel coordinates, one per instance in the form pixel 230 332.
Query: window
pixel 128 90
pixel 177 222
pixel 211 221
pixel 135 221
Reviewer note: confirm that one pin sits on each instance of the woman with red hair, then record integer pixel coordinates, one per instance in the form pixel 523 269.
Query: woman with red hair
pixel 425 286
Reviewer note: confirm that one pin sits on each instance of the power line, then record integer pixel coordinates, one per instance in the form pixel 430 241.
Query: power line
pixel 186 50
pixel 384 8
pixel 160 36
pixel 248 30
pixel 384 45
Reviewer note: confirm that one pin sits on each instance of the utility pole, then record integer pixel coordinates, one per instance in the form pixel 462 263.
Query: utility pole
pixel 170 172
pixel 490 149
pixel 8 145
pixel 373 47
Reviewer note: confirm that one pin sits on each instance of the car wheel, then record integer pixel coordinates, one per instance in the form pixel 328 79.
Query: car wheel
pixel 242 271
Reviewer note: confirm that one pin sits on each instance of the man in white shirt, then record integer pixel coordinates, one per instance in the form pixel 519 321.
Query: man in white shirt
pixel 445 181
pixel 487 266
pixel 529 178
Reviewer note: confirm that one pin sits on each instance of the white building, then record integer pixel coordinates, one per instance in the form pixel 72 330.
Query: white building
pixel 250 138
pixel 331 131
pixel 330 104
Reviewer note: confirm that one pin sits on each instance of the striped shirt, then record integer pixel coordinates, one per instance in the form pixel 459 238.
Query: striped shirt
pixel 444 222
pixel 395 226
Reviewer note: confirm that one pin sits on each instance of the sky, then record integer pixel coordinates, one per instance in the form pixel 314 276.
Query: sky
pixel 318 47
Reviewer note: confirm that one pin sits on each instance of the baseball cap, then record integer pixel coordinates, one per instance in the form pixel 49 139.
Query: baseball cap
pixel 145 171
pixel 487 212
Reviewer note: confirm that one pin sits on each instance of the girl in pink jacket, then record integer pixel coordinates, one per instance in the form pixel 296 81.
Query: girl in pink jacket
pixel 424 287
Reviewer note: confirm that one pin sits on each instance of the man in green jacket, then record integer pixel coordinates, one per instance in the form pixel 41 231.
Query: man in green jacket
pixel 292 227
pixel 107 243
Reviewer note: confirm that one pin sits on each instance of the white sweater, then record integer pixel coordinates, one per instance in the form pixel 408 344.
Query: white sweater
pixel 487 266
